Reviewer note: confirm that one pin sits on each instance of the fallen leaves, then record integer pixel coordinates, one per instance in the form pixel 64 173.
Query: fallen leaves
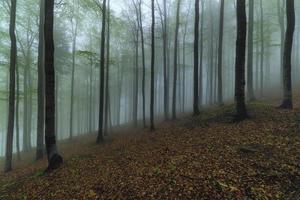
pixel 205 157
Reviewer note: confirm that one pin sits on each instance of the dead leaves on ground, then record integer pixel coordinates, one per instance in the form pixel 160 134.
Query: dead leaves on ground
pixel 206 157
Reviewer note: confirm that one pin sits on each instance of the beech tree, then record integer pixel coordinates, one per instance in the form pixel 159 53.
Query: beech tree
pixel 102 67
pixel 287 56
pixel 241 111
pixel 12 77
pixel 54 159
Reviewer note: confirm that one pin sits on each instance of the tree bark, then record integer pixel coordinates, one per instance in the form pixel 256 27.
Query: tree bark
pixel 262 49
pixel 152 128
pixel 100 137
pixel 144 65
pixel 54 159
pixel 287 56
pixel 250 91
pixel 201 55
pixel 196 60
pixel 175 62
pixel 12 69
pixel 107 88
pixel 241 112
pixel 41 87
pixel 220 54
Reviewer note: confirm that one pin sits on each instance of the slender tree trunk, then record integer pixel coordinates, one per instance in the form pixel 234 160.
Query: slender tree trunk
pixel 201 55
pixel 41 87
pixel 287 56
pixel 240 61
pixel 175 61
pixel 165 47
pixel 220 55
pixel 54 159
pixel 152 128
pixel 102 66
pixel 280 10
pixel 262 47
pixel 17 112
pixel 74 42
pixel 144 64
pixel 107 88
pixel 12 69
pixel 250 91
pixel 196 60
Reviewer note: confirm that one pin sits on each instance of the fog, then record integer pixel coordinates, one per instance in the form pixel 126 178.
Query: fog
pixel 77 29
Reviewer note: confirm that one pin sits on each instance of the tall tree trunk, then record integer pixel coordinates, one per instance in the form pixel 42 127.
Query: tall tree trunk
pixel 287 56
pixel 196 60
pixel 262 48
pixel 220 55
pixel 12 69
pixel 17 112
pixel 241 112
pixel 102 67
pixel 74 42
pixel 143 63
pixel 165 49
pixel 280 12
pixel 175 61
pixel 41 87
pixel 152 128
pixel 250 91
pixel 201 55
pixel 54 159
pixel 107 88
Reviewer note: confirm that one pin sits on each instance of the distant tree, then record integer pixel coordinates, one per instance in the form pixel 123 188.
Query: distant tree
pixel 196 60
pixel 201 54
pixel 74 21
pixel 152 128
pixel 54 159
pixel 11 107
pixel 250 91
pixel 281 21
pixel 241 111
pixel 107 81
pixel 175 60
pixel 287 56
pixel 220 54
pixel 102 67
pixel 41 86
pixel 262 49
pixel 143 62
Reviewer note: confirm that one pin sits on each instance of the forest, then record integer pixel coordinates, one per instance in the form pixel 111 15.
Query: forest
pixel 150 99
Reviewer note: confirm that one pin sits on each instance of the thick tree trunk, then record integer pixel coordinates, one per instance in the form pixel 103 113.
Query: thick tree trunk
pixel 250 92
pixel 11 106
pixel 152 128
pixel 175 61
pixel 41 87
pixel 100 137
pixel 241 112
pixel 54 159
pixel 287 56
pixel 196 60
pixel 220 55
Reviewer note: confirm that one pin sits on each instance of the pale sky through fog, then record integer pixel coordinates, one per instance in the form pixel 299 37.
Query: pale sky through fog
pixel 117 5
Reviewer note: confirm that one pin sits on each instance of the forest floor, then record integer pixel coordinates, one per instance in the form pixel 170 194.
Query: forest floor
pixel 205 157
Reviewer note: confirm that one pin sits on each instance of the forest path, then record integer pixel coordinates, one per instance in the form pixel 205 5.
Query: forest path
pixel 205 157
